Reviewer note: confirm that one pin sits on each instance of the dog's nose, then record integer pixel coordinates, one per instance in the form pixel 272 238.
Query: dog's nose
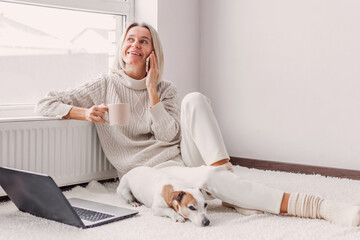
pixel 205 222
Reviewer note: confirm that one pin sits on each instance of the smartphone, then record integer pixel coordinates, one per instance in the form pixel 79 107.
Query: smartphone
pixel 147 64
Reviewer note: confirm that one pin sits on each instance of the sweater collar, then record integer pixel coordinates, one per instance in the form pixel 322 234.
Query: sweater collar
pixel 131 82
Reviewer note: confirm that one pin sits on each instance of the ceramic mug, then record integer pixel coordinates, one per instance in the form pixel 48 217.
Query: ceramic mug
pixel 119 114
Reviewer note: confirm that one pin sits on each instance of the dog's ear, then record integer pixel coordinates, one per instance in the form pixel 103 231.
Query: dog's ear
pixel 206 194
pixel 168 194
pixel 176 199
pixel 202 191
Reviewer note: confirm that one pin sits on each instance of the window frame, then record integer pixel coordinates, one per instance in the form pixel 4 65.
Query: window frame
pixel 114 7
pixel 117 7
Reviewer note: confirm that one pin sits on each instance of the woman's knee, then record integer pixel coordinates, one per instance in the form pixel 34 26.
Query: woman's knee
pixel 195 99
pixel 215 180
pixel 210 173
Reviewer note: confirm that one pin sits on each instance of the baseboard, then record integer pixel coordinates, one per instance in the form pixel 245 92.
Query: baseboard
pixel 296 168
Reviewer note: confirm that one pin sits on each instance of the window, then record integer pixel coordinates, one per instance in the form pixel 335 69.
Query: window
pixel 55 47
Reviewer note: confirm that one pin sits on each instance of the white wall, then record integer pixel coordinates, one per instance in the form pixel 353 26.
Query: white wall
pixel 146 11
pixel 178 25
pixel 283 77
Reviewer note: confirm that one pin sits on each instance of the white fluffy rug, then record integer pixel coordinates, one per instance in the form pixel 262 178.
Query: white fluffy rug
pixel 225 223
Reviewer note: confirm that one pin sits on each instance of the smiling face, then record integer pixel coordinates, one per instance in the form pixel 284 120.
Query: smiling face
pixel 137 46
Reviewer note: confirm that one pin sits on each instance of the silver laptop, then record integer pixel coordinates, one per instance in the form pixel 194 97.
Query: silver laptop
pixel 39 195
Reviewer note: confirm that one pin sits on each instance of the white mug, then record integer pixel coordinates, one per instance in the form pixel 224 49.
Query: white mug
pixel 119 114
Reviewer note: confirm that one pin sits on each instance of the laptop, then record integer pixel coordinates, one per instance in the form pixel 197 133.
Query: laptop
pixel 39 195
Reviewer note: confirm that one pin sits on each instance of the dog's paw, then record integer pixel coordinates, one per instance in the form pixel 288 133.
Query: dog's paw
pixel 178 218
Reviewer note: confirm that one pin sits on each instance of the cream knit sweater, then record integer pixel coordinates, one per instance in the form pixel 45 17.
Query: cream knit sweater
pixel 153 134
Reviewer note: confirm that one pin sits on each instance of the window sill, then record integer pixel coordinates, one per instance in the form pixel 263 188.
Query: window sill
pixel 20 113
pixel 27 119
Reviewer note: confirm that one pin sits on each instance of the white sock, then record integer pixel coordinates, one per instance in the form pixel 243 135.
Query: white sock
pixel 340 213
pixel 309 206
pixel 304 205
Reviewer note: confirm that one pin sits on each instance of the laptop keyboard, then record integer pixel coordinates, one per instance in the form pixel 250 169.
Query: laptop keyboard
pixel 90 215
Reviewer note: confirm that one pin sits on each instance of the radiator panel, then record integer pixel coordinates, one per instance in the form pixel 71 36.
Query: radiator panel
pixel 68 150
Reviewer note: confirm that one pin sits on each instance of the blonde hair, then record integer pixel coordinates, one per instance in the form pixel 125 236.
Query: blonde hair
pixel 119 64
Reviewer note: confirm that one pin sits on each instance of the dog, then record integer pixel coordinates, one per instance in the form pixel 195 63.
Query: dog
pixel 166 196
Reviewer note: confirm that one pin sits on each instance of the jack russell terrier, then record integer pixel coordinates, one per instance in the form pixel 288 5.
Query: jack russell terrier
pixel 166 196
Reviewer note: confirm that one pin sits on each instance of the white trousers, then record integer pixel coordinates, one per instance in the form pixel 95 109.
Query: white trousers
pixel 202 144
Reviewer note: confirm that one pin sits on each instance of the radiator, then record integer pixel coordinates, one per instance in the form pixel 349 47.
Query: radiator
pixel 67 150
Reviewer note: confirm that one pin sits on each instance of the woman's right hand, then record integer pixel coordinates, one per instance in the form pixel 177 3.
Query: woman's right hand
pixel 96 113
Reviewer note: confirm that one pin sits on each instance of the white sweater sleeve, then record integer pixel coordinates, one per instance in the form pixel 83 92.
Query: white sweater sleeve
pixel 58 104
pixel 165 116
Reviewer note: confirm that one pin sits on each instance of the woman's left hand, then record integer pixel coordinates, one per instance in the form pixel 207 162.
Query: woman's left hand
pixel 153 73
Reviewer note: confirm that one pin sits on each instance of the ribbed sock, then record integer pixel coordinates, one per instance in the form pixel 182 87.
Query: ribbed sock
pixel 304 205
pixel 340 213
pixel 309 206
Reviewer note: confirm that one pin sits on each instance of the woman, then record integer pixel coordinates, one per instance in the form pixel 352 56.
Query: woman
pixel 154 137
